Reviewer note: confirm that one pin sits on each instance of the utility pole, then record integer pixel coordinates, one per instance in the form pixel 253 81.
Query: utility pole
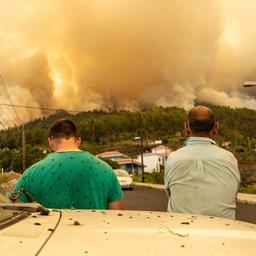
pixel 141 148
pixel 132 166
pixel 249 143
pixel 23 148
pixel 93 131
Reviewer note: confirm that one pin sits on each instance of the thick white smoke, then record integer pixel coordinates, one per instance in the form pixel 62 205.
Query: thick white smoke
pixel 126 54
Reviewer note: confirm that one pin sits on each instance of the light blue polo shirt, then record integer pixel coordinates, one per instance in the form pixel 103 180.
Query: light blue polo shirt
pixel 202 178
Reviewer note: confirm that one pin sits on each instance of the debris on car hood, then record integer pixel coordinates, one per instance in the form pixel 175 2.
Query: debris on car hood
pixel 110 233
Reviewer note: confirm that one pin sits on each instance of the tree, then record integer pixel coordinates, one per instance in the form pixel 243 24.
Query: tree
pixel 112 163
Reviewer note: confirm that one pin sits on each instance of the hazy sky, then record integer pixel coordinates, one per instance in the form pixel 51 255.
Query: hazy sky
pixel 88 54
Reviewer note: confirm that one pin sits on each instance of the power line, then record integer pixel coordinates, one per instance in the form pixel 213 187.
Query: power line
pixel 40 108
pixel 4 96
pixel 9 98
pixel 67 110
pixel 2 125
pixel 19 120
pixel 6 122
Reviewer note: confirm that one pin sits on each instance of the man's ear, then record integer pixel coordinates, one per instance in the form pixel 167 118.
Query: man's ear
pixel 50 143
pixel 78 141
pixel 215 129
pixel 187 129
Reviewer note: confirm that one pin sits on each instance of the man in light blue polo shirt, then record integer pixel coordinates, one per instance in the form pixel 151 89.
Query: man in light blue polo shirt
pixel 202 178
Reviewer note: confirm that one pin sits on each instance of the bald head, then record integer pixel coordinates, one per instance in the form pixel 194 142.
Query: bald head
pixel 201 120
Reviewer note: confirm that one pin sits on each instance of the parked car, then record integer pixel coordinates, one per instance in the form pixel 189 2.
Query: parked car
pixel 124 179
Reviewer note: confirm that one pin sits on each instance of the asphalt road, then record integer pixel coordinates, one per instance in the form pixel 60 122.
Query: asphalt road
pixel 149 199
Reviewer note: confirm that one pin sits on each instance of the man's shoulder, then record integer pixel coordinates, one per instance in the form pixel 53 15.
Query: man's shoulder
pixel 212 152
pixel 179 152
pixel 223 153
pixel 93 158
pixel 96 161
pixel 80 159
pixel 33 168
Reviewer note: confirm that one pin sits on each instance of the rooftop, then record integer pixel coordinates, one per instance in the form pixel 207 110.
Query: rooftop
pixel 110 154
pixel 129 161
pixel 164 153
pixel 161 147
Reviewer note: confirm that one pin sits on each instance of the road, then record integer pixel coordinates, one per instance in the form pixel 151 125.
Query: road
pixel 149 199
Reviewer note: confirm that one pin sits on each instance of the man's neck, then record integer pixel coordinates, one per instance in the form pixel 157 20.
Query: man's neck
pixel 66 150
pixel 204 135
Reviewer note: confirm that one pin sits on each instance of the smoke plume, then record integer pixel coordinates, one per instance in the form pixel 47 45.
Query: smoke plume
pixel 126 54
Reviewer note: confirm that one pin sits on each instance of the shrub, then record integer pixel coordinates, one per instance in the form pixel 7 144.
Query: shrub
pixel 154 178
pixel 4 178
pixel 250 189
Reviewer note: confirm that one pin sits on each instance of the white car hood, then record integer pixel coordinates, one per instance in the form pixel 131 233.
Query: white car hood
pixel 124 179
pixel 111 233
pixel 27 236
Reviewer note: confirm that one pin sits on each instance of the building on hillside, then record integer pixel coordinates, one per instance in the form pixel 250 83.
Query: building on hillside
pixel 226 144
pixel 155 142
pixel 155 161
pixel 129 164
pixel 161 150
pixel 112 155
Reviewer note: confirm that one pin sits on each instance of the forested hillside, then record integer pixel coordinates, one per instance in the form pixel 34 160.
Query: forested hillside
pixel 101 131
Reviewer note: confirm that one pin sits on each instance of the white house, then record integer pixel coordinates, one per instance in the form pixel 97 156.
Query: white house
pixel 161 150
pixel 126 163
pixel 154 161
pixel 131 165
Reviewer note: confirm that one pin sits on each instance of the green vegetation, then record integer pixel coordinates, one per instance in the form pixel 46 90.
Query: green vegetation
pixel 113 164
pixel 250 189
pixel 4 179
pixel 248 177
pixel 154 178
pixel 104 131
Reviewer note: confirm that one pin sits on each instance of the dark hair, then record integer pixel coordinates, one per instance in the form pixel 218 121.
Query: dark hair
pixel 63 128
pixel 198 123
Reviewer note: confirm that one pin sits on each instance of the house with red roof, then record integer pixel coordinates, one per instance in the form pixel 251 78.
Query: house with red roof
pixel 126 163
pixel 131 165
pixel 112 155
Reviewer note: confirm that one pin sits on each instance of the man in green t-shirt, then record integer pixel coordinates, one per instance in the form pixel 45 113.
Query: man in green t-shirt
pixel 69 177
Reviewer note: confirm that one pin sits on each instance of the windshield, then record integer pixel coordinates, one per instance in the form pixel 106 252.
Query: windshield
pixel 121 173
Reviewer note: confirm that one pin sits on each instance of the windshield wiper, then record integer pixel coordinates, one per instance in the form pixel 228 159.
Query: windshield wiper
pixel 30 207
pixel 25 207
pixel 15 196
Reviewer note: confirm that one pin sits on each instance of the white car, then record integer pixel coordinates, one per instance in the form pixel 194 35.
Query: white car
pixel 110 233
pixel 124 179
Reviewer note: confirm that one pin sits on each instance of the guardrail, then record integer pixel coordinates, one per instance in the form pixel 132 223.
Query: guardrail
pixel 242 198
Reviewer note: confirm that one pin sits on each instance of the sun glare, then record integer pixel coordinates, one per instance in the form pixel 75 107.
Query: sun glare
pixel 230 36
pixel 58 82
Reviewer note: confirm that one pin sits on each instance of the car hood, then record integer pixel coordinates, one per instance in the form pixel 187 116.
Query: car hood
pixel 81 232
pixel 124 179
pixel 28 236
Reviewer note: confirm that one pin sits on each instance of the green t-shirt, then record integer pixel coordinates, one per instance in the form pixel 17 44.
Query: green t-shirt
pixel 72 179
